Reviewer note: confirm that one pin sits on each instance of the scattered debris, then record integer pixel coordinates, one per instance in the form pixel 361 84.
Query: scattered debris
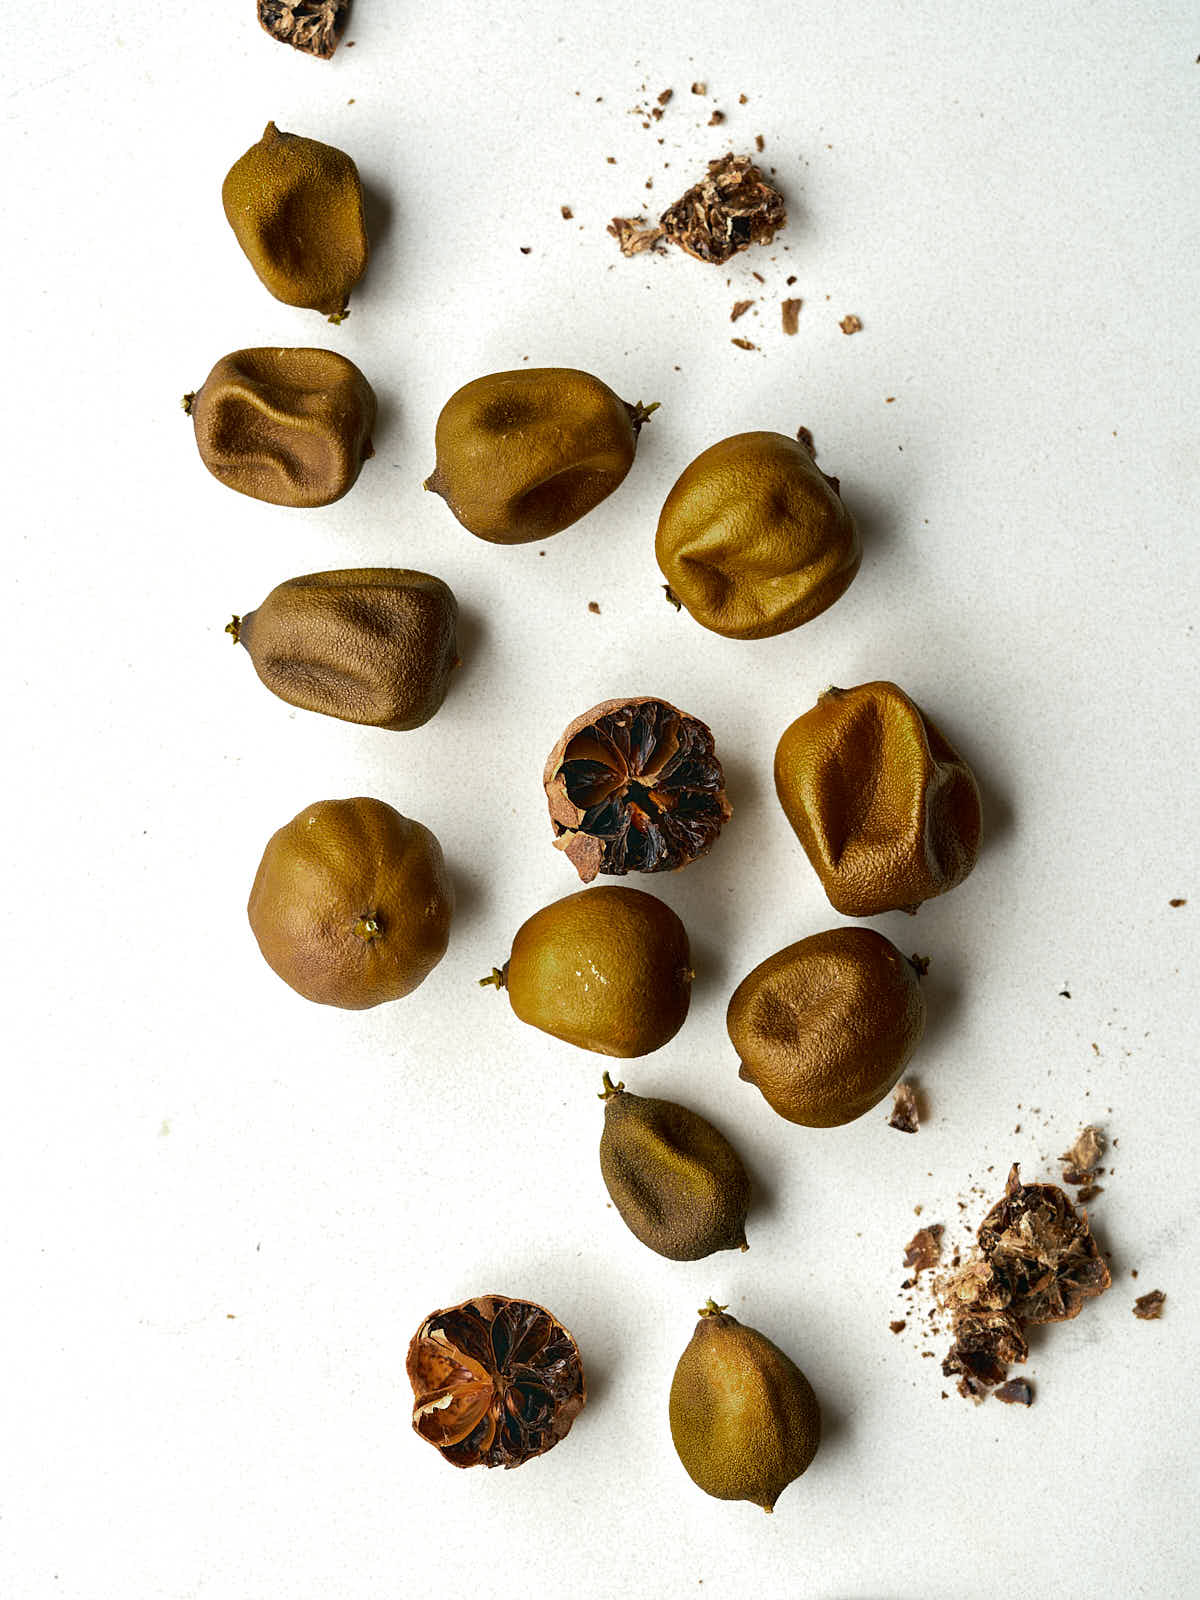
pixel 1034 1261
pixel 1016 1392
pixel 1148 1307
pixel 594 608
pixel 633 235
pixel 1177 902
pixel 567 213
pixel 1079 1162
pixel 699 88
pixel 924 1248
pixel 906 1116
pixel 740 308
pixel 851 324
pixel 898 1326
pixel 744 344
pixel 311 26
pixel 717 118
pixel 732 207
pixel 791 314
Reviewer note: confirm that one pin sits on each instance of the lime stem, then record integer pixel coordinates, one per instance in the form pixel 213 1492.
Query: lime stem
pixel 494 981
pixel 367 929
pixel 234 629
pixel 711 1309
pixel 639 413
pixel 610 1088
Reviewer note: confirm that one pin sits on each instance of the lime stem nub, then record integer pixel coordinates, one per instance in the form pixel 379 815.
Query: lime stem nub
pixel 367 928
pixel 639 413
pixel 234 629
pixel 187 402
pixel 711 1309
pixel 610 1088
pixel 494 981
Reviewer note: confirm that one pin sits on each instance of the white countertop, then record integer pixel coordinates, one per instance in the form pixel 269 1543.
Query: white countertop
pixel 227 1210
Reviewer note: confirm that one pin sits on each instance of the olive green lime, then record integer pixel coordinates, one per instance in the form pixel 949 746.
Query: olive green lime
pixel 522 455
pixel 677 1183
pixel 744 1418
pixel 296 208
pixel 606 969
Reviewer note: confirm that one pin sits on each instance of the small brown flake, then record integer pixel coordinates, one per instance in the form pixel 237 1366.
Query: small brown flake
pixel 1088 1193
pixel 790 310
pixel 740 308
pixel 717 118
pixel 612 160
pixel 851 324
pixel 1149 1306
pixel 889 400
pixel 525 249
pixel 1016 1392
pixel 594 608
pixel 1079 1162
pixel 792 279
pixel 1177 903
pixel 672 597
pixel 312 26
pixel 744 344
pixel 567 213
pixel 923 1249
pixel 743 99
pixel 898 1327
pixel 905 1117
pixel 633 236
pixel 699 88
pixel 665 96
pixel 759 276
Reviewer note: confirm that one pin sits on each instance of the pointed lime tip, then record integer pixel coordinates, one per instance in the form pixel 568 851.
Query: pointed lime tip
pixel 338 317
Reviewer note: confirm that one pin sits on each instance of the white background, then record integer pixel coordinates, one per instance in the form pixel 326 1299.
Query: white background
pixel 225 1210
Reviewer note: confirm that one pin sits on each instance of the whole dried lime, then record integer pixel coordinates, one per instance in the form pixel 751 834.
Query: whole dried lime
pixel 678 1184
pixel 292 427
pixel 296 208
pixel 825 1027
pixel 351 904
pixel 522 455
pixel 754 538
pixel 371 644
pixel 744 1418
pixel 606 969
pixel 886 809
